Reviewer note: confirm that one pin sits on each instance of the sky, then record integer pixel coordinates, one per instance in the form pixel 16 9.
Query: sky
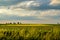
pixel 30 11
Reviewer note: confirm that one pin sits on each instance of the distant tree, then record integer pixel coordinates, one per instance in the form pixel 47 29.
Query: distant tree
pixel 7 23
pixel 10 23
pixel 18 22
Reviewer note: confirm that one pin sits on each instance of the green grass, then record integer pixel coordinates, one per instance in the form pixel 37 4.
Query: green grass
pixel 29 31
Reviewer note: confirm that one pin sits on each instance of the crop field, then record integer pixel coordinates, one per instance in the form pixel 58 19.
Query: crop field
pixel 29 31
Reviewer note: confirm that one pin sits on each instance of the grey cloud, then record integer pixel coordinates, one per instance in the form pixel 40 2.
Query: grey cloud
pixel 42 4
pixel 15 17
pixel 10 2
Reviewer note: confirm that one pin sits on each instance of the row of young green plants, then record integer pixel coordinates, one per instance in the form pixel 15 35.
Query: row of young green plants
pixel 31 34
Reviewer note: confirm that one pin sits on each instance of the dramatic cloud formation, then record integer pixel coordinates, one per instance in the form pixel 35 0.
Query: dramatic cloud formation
pixel 39 4
pixel 43 11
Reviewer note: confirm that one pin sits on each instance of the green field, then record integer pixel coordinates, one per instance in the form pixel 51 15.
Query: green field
pixel 29 31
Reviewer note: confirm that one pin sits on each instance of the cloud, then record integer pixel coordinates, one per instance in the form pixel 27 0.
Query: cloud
pixel 18 12
pixel 55 2
pixel 29 14
pixel 37 5
pixel 28 4
pixel 45 16
pixel 29 10
pixel 32 4
pixel 50 13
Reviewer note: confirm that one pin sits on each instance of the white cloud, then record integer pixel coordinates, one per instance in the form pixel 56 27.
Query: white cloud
pixel 50 13
pixel 22 12
pixel 33 4
pixel 28 4
pixel 17 12
pixel 44 16
pixel 55 2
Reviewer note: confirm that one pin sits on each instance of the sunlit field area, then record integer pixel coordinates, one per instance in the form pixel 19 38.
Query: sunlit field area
pixel 29 31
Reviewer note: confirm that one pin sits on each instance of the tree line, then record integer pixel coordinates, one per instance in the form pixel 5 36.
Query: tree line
pixel 14 23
